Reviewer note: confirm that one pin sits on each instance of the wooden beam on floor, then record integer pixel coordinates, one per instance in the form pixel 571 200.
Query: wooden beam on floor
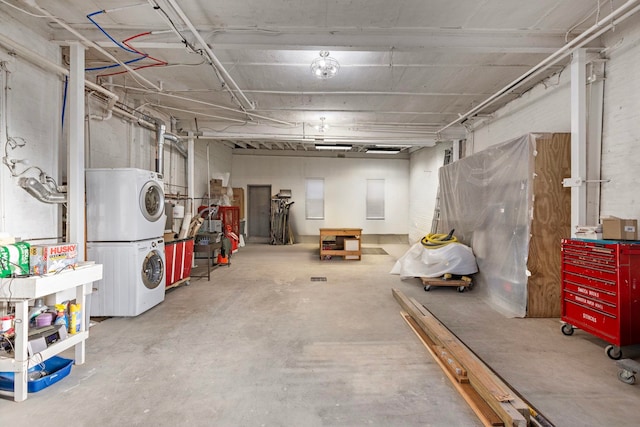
pixel 506 404
pixel 483 411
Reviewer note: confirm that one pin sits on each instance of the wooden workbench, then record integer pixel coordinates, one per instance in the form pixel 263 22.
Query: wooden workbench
pixel 345 235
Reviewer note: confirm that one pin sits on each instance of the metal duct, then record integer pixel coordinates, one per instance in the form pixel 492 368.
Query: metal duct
pixel 40 192
pixel 176 142
pixel 160 131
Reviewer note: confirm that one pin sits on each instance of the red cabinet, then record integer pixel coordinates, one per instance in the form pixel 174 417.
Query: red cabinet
pixel 178 259
pixel 230 216
pixel 601 290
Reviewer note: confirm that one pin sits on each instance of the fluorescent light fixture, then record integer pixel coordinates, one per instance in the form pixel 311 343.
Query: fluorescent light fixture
pixel 334 147
pixel 383 150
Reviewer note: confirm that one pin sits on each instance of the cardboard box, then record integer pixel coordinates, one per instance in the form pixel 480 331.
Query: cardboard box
pixel 238 200
pixel 45 259
pixel 215 188
pixel 614 228
pixel 351 245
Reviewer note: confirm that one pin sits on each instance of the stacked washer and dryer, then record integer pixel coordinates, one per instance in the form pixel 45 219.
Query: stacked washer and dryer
pixel 125 226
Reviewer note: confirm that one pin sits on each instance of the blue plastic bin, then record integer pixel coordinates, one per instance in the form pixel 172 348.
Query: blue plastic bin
pixel 55 369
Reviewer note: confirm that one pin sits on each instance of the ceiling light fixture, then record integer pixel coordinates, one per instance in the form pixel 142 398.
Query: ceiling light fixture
pixel 333 147
pixel 322 127
pixel 325 66
pixel 383 150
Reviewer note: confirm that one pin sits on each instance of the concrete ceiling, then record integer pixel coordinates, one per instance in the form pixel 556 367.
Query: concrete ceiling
pixel 408 68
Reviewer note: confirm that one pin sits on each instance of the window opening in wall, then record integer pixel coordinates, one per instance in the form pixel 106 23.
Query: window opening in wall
pixel 375 199
pixel 314 202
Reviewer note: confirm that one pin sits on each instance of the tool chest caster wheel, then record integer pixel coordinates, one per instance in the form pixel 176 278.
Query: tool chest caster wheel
pixel 567 329
pixel 460 288
pixel 626 377
pixel 613 352
pixel 427 288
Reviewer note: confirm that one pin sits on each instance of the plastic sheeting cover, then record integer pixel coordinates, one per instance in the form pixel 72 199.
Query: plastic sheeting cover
pixel 418 261
pixel 487 199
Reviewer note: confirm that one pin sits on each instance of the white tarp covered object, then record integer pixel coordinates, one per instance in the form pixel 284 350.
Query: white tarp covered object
pixel 453 258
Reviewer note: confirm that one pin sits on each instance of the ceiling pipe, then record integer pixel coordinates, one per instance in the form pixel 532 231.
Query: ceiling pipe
pixel 426 141
pixel 154 124
pixel 208 104
pixel 38 60
pixel 33 4
pixel 600 27
pixel 212 56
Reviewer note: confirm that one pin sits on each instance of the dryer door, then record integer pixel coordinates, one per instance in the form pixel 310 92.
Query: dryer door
pixel 152 201
pixel 153 270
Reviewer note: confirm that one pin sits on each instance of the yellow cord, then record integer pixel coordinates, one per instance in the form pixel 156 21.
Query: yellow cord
pixel 433 241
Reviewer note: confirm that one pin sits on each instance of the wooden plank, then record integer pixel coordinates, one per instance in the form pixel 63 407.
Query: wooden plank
pixel 178 283
pixel 497 395
pixel 451 364
pixel 487 416
pixel 551 223
pixel 502 391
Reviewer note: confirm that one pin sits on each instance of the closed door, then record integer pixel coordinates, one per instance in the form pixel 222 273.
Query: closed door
pixel 259 211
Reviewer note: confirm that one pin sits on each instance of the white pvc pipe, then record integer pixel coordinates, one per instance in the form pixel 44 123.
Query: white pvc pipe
pixel 578 139
pixel 208 104
pixel 585 37
pixel 75 160
pixel 210 53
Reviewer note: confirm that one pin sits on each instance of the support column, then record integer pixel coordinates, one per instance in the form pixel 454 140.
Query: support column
pixel 595 112
pixel 191 155
pixel 75 159
pixel 578 140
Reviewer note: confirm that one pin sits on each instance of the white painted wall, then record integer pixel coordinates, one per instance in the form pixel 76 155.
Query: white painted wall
pixel 32 113
pixel 545 108
pixel 345 189
pixel 621 124
pixel 217 163
pixel 423 188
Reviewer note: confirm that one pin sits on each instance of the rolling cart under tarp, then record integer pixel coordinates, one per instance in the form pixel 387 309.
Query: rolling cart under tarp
pixel 460 282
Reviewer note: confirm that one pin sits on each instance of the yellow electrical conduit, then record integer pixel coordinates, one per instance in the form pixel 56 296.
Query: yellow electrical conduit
pixel 434 241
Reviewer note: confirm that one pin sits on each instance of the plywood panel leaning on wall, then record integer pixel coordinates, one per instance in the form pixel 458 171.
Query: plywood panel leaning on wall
pixel 550 223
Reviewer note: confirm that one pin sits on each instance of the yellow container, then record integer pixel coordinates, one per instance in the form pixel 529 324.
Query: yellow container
pixel 74 318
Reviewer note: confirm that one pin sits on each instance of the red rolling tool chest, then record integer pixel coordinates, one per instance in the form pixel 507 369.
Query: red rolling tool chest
pixel 601 291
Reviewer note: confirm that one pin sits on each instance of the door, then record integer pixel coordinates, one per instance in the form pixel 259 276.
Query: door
pixel 259 213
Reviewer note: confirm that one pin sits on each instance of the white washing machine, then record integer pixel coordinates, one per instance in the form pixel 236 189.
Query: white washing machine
pixel 133 278
pixel 124 204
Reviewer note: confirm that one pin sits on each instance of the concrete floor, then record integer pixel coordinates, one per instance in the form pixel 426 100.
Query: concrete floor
pixel 263 345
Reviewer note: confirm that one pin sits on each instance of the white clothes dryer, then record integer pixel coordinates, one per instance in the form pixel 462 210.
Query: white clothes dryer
pixel 133 278
pixel 124 204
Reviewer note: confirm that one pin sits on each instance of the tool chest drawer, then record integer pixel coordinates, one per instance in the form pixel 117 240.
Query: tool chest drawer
pixel 601 289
